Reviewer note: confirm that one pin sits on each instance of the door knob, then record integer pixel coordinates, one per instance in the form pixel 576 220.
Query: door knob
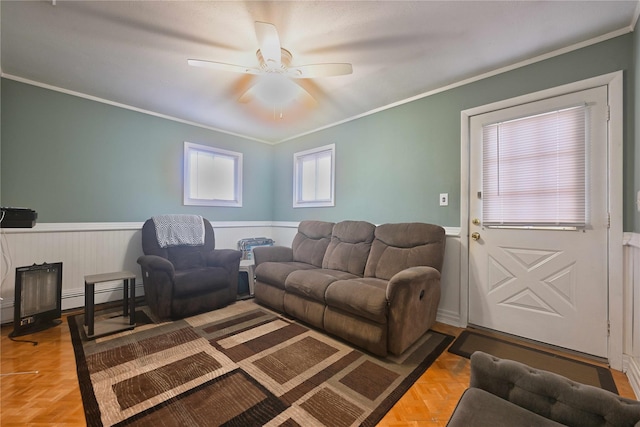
pixel 475 235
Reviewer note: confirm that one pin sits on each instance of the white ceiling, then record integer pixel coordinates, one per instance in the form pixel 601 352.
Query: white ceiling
pixel 135 52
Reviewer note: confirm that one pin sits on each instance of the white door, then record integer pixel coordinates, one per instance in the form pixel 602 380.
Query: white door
pixel 541 282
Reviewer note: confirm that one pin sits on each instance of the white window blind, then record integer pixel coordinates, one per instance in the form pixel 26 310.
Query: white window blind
pixel 212 176
pixel 314 171
pixel 534 170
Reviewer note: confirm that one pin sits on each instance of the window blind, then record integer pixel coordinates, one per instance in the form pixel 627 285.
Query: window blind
pixel 534 170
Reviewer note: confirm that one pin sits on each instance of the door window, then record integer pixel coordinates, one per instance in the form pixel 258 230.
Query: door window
pixel 534 170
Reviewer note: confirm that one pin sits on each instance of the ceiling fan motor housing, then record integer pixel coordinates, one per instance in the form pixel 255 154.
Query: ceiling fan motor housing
pixel 271 66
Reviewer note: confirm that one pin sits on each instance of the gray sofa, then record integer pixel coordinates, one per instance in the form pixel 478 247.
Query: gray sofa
pixel 508 393
pixel 376 287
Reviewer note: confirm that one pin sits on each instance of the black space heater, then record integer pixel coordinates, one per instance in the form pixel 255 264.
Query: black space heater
pixel 38 298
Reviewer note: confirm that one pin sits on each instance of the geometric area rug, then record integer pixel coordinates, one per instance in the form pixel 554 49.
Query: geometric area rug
pixel 242 365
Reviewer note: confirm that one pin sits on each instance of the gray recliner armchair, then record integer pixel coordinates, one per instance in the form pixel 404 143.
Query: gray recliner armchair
pixel 508 393
pixel 184 279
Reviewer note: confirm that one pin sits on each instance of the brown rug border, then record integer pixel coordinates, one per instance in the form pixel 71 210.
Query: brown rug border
pixel 89 401
pixel 604 376
pixel 92 410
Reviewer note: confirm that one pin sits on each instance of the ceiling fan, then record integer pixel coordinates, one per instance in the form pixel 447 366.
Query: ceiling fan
pixel 274 65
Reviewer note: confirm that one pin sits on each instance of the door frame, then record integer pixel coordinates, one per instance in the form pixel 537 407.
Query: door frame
pixel 614 83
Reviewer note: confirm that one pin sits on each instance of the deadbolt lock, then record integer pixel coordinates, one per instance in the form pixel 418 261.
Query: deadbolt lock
pixel 476 221
pixel 475 235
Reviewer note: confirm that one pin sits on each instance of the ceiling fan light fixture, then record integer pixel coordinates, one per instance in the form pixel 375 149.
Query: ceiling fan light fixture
pixel 275 90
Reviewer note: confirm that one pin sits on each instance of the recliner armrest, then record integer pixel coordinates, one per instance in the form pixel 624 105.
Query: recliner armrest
pixel 413 295
pixel 223 258
pixel 154 262
pixel 272 254
pixel 400 281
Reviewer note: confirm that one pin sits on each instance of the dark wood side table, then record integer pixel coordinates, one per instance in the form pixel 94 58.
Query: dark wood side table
pixel 117 323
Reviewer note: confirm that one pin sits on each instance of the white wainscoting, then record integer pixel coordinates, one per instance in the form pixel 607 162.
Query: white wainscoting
pixel 81 249
pixel 94 248
pixel 91 248
pixel 631 277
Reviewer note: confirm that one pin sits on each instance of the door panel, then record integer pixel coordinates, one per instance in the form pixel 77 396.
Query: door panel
pixel 545 284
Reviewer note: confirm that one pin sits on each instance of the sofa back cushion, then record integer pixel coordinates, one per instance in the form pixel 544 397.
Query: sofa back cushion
pixel 311 241
pixel 349 247
pixel 182 257
pixel 400 246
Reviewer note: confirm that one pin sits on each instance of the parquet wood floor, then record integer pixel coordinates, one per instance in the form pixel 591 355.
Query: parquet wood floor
pixel 51 397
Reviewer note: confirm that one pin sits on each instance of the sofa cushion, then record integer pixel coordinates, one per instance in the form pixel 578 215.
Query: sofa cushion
pixel 400 246
pixel 276 273
pixel 311 241
pixel 349 247
pixel 479 408
pixel 364 297
pixel 199 281
pixel 312 284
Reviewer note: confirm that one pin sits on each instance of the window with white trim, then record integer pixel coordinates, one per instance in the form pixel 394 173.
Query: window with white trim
pixel 212 176
pixel 314 177
pixel 534 170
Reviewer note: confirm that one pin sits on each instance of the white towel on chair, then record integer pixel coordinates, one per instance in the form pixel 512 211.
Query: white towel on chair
pixel 178 229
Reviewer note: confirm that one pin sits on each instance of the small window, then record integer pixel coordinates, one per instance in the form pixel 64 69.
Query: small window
pixel 212 177
pixel 314 177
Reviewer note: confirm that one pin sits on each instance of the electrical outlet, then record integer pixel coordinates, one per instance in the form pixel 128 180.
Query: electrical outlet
pixel 444 199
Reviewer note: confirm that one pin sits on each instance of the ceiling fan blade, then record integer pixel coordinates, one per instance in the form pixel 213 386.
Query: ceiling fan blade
pixel 319 70
pixel 269 43
pixel 222 66
pixel 248 96
pixel 305 98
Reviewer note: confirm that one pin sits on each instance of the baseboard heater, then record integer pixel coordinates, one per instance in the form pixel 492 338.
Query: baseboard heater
pixel 38 298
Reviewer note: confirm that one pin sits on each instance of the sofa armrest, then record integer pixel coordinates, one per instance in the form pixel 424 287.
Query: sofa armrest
pixel 551 395
pixel 156 263
pixel 413 296
pixel 272 254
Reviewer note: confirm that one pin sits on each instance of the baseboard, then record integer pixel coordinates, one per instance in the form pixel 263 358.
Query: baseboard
pixel 633 373
pixel 74 298
pixel 448 317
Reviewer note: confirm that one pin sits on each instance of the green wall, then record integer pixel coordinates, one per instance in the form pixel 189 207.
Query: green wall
pixel 77 160
pixel 391 166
